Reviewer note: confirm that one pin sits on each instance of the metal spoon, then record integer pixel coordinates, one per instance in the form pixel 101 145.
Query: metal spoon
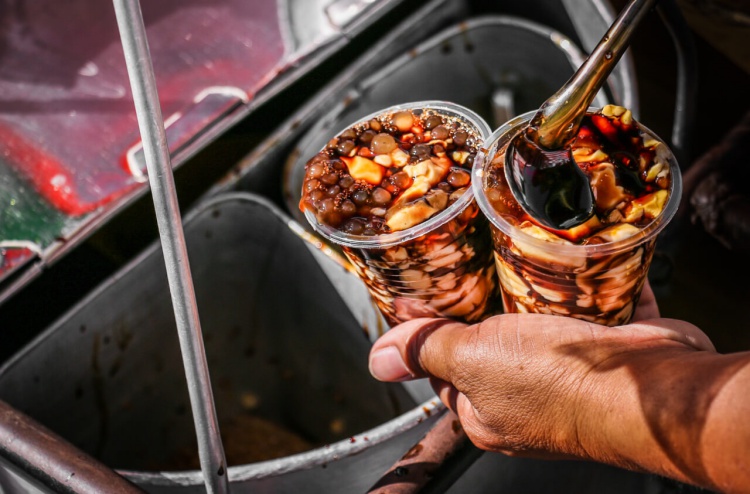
pixel 539 167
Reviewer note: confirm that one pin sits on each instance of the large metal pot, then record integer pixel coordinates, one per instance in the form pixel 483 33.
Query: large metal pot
pixel 288 362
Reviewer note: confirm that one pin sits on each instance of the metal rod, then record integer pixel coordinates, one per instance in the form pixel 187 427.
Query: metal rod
pixel 51 460
pixel 161 179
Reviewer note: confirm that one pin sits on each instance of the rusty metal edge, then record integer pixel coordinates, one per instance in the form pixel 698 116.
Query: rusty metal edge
pixel 52 461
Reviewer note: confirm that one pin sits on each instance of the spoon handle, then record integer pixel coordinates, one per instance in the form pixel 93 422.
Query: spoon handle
pixel 559 118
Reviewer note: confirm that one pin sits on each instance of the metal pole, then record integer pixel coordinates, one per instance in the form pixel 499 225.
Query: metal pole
pixel 52 461
pixel 156 152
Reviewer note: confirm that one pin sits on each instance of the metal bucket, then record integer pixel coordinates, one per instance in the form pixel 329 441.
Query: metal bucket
pixel 288 364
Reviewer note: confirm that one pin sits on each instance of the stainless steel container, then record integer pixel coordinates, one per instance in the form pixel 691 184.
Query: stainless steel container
pixel 287 358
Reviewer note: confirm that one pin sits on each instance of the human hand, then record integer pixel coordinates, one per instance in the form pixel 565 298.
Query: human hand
pixel 528 384
pixel 647 307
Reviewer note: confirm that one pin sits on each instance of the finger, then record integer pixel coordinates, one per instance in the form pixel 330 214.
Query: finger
pixel 672 329
pixel 460 404
pixel 418 348
pixel 647 306
pixel 447 393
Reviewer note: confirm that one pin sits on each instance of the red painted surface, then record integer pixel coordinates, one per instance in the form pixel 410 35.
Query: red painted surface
pixel 66 111
pixel 13 258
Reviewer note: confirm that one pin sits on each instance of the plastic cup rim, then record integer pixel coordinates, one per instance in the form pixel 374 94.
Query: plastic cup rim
pixel 395 238
pixel 650 231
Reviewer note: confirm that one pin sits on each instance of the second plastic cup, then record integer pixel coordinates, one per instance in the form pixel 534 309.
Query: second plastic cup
pixel 441 267
pixel 600 283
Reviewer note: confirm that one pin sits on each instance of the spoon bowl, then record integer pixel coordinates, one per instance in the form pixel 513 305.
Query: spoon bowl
pixel 555 190
pixel 543 176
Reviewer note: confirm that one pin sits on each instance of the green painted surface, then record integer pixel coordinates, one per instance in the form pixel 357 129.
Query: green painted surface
pixel 24 215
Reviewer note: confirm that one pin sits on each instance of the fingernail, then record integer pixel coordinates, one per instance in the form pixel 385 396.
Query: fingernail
pixel 386 364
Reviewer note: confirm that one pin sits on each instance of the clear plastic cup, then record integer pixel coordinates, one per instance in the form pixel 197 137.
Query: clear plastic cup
pixel 442 267
pixel 598 283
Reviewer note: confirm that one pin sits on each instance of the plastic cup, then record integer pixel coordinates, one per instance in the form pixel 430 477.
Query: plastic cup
pixel 441 267
pixel 598 283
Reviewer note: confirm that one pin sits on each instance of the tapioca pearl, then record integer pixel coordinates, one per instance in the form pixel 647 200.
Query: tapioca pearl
pixel 317 195
pixel 334 219
pixel 348 134
pixel 444 186
pixel 333 191
pixel 438 149
pixel 402 180
pixel 311 185
pixel 383 144
pixel 375 125
pixel 402 120
pixel 390 186
pixel 459 138
pixel 354 226
pixel 458 177
pixel 346 181
pixel 380 196
pixel 316 170
pixel 360 197
pixel 367 137
pixel 339 165
pixel 329 178
pixel 420 152
pixel 432 121
pixel 470 160
pixel 345 147
pixel 348 207
pixel 329 214
pixel 326 205
pixel 440 132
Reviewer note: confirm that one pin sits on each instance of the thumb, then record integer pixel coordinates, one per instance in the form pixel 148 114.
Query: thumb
pixel 417 348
